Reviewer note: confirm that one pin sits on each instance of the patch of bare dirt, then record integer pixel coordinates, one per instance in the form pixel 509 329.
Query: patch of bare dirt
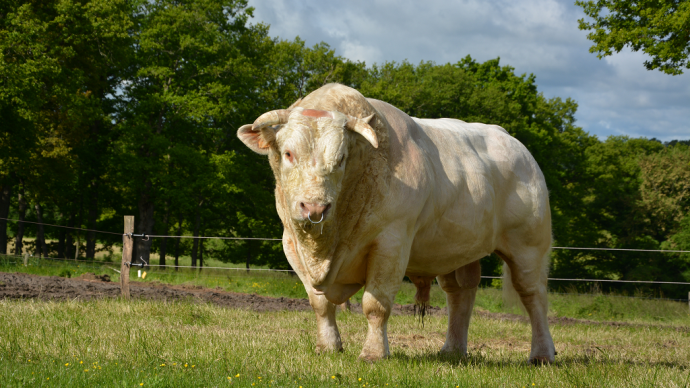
pixel 26 286
pixel 90 286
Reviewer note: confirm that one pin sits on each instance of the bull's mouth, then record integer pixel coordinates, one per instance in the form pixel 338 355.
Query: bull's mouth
pixel 316 226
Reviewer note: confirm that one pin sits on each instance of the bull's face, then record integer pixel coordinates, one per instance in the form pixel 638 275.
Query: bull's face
pixel 309 153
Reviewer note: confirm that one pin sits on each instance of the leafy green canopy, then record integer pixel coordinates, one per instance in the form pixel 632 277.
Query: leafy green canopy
pixel 660 28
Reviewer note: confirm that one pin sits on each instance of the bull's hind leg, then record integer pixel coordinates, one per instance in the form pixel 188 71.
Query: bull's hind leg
pixel 460 287
pixel 327 335
pixel 527 269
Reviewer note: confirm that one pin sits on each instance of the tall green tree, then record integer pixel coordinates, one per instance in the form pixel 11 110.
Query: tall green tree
pixel 195 79
pixel 59 69
pixel 660 28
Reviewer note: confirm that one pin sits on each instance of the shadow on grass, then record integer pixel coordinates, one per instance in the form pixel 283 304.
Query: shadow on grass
pixel 480 360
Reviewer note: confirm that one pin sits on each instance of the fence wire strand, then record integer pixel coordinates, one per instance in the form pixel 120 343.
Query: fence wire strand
pixel 95 264
pixel 59 226
pixel 278 239
pixel 289 270
pixel 286 270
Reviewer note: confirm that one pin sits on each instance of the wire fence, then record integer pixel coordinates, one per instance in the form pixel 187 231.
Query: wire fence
pixel 160 266
pixel 196 273
pixel 278 239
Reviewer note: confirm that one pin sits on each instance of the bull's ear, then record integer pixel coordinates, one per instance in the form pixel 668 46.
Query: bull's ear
pixel 254 139
pixel 362 127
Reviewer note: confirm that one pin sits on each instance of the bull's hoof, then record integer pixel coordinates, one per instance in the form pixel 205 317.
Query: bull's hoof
pixel 370 357
pixel 451 351
pixel 321 348
pixel 541 360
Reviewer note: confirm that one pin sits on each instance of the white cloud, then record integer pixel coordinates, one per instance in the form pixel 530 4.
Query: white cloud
pixel 358 52
pixel 616 95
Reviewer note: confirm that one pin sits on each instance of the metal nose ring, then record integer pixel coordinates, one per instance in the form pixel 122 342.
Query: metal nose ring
pixel 309 218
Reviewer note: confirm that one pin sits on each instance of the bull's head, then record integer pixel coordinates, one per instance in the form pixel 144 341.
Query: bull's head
pixel 308 150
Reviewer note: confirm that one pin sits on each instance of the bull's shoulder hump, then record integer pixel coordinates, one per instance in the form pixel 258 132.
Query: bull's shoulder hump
pixel 456 125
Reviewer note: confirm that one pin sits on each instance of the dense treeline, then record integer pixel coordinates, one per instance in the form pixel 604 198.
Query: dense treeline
pixel 114 107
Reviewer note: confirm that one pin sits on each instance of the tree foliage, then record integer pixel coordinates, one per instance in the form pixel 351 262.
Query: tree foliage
pixel 660 28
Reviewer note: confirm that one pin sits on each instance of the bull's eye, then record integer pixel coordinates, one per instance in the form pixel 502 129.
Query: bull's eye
pixel 341 161
pixel 289 156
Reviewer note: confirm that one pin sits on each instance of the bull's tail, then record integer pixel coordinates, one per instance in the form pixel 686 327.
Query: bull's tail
pixel 422 297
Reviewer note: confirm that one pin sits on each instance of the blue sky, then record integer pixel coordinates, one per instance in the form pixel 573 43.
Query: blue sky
pixel 616 95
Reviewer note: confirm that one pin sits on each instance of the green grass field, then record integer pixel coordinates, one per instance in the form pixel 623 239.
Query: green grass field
pixel 152 344
pixel 182 344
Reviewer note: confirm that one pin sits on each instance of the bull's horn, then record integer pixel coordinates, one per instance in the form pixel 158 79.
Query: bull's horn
pixel 362 127
pixel 262 126
pixel 274 117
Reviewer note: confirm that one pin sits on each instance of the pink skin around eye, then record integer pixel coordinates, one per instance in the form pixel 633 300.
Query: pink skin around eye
pixel 290 157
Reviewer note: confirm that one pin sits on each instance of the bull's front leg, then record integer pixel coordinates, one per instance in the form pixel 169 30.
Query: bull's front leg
pixel 385 271
pixel 327 335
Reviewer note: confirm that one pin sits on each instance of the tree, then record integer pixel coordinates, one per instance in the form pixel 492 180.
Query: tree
pixel 664 190
pixel 58 72
pixel 196 79
pixel 660 28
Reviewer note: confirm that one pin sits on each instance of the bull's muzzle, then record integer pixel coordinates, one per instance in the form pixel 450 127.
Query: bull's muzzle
pixel 314 212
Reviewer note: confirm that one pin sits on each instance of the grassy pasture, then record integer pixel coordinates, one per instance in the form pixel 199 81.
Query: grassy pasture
pixel 180 344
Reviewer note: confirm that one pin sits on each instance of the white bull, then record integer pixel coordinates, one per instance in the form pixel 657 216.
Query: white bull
pixel 368 194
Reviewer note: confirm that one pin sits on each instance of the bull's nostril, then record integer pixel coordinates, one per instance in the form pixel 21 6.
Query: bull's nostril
pixel 325 210
pixel 301 204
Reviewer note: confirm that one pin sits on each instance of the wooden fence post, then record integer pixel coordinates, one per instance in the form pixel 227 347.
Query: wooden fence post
pixel 127 245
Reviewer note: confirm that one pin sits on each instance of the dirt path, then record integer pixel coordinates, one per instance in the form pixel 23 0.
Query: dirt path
pixel 26 286
pixel 89 286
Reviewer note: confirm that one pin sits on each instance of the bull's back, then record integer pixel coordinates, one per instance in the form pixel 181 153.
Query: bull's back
pixel 484 183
